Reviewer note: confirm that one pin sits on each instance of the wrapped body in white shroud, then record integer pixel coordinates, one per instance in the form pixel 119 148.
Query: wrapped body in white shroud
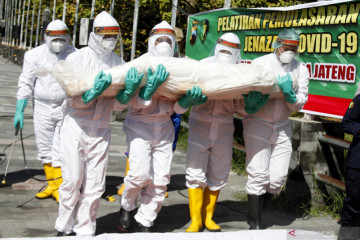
pixel 217 80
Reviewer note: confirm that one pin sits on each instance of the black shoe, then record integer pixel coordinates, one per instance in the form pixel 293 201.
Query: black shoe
pixel 140 228
pixel 124 220
pixel 61 234
pixel 255 207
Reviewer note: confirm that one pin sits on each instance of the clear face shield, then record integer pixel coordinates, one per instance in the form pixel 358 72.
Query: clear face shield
pixel 57 40
pixel 58 45
pixel 162 43
pixel 119 48
pixel 164 47
pixel 226 52
pixel 286 50
pixel 110 39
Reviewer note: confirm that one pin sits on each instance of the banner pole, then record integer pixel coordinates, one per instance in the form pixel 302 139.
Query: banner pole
pixel 32 24
pixel 227 4
pixel 112 7
pixel 173 13
pixel 38 26
pixel 64 11
pixel 75 22
pixel 54 10
pixel 92 9
pixel 136 15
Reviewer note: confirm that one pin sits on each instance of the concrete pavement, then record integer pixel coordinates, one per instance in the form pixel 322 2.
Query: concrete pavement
pixel 21 215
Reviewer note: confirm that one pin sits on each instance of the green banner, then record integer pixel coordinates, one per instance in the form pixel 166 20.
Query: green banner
pixel 329 42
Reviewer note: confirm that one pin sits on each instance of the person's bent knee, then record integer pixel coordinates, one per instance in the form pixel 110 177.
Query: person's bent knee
pixel 140 180
pixel 276 184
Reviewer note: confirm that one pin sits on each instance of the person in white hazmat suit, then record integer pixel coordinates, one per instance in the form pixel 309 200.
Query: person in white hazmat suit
pixel 209 152
pixel 149 135
pixel 267 133
pixel 85 132
pixel 162 49
pixel 48 98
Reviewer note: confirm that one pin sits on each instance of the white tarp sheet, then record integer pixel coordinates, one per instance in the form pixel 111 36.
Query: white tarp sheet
pixel 217 80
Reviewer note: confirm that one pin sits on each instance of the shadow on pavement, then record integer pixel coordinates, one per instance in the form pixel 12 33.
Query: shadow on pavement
pixel 22 176
pixel 112 183
pixel 177 182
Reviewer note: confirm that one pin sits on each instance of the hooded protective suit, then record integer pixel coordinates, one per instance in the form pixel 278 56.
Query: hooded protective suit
pixel 267 133
pixel 85 136
pixel 47 93
pixel 149 136
pixel 211 129
pixel 209 152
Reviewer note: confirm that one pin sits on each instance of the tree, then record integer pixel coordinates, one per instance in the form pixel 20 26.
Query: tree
pixel 152 12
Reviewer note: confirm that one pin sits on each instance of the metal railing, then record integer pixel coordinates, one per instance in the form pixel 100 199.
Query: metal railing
pixel 333 141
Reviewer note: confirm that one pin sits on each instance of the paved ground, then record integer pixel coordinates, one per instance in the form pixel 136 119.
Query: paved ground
pixel 21 215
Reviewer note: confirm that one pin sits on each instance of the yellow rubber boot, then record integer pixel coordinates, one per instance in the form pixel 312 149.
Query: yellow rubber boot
pixel 49 172
pixel 195 205
pixel 57 183
pixel 121 190
pixel 208 209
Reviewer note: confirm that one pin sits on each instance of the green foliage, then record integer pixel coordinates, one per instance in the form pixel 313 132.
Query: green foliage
pixel 323 204
pixel 182 140
pixel 151 12
pixel 184 133
pixel 297 114
pixel 238 162
pixel 241 196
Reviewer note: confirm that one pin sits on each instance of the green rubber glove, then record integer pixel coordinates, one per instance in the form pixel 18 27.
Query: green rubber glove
pixel 285 84
pixel 19 113
pixel 193 97
pixel 102 82
pixel 132 82
pixel 154 81
pixel 254 101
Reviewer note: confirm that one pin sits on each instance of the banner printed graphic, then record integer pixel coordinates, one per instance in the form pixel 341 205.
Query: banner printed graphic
pixel 329 42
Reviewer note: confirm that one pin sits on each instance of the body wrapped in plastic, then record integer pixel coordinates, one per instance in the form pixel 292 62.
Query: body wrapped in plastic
pixel 217 80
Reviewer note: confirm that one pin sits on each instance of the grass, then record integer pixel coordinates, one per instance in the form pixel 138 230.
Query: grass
pixel 241 196
pixel 182 140
pixel 323 204
pixel 238 162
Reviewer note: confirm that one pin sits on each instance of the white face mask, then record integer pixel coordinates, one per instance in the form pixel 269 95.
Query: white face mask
pixel 58 45
pixel 109 43
pixel 287 57
pixel 163 49
pixel 225 58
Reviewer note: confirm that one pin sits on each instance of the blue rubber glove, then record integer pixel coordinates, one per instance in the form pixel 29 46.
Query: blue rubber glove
pixel 132 82
pixel 192 97
pixel 154 81
pixel 102 82
pixel 254 101
pixel 19 113
pixel 285 84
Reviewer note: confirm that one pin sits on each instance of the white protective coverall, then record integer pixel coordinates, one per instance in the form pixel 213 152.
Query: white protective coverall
pixel 267 133
pixel 47 93
pixel 149 135
pixel 85 137
pixel 211 129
